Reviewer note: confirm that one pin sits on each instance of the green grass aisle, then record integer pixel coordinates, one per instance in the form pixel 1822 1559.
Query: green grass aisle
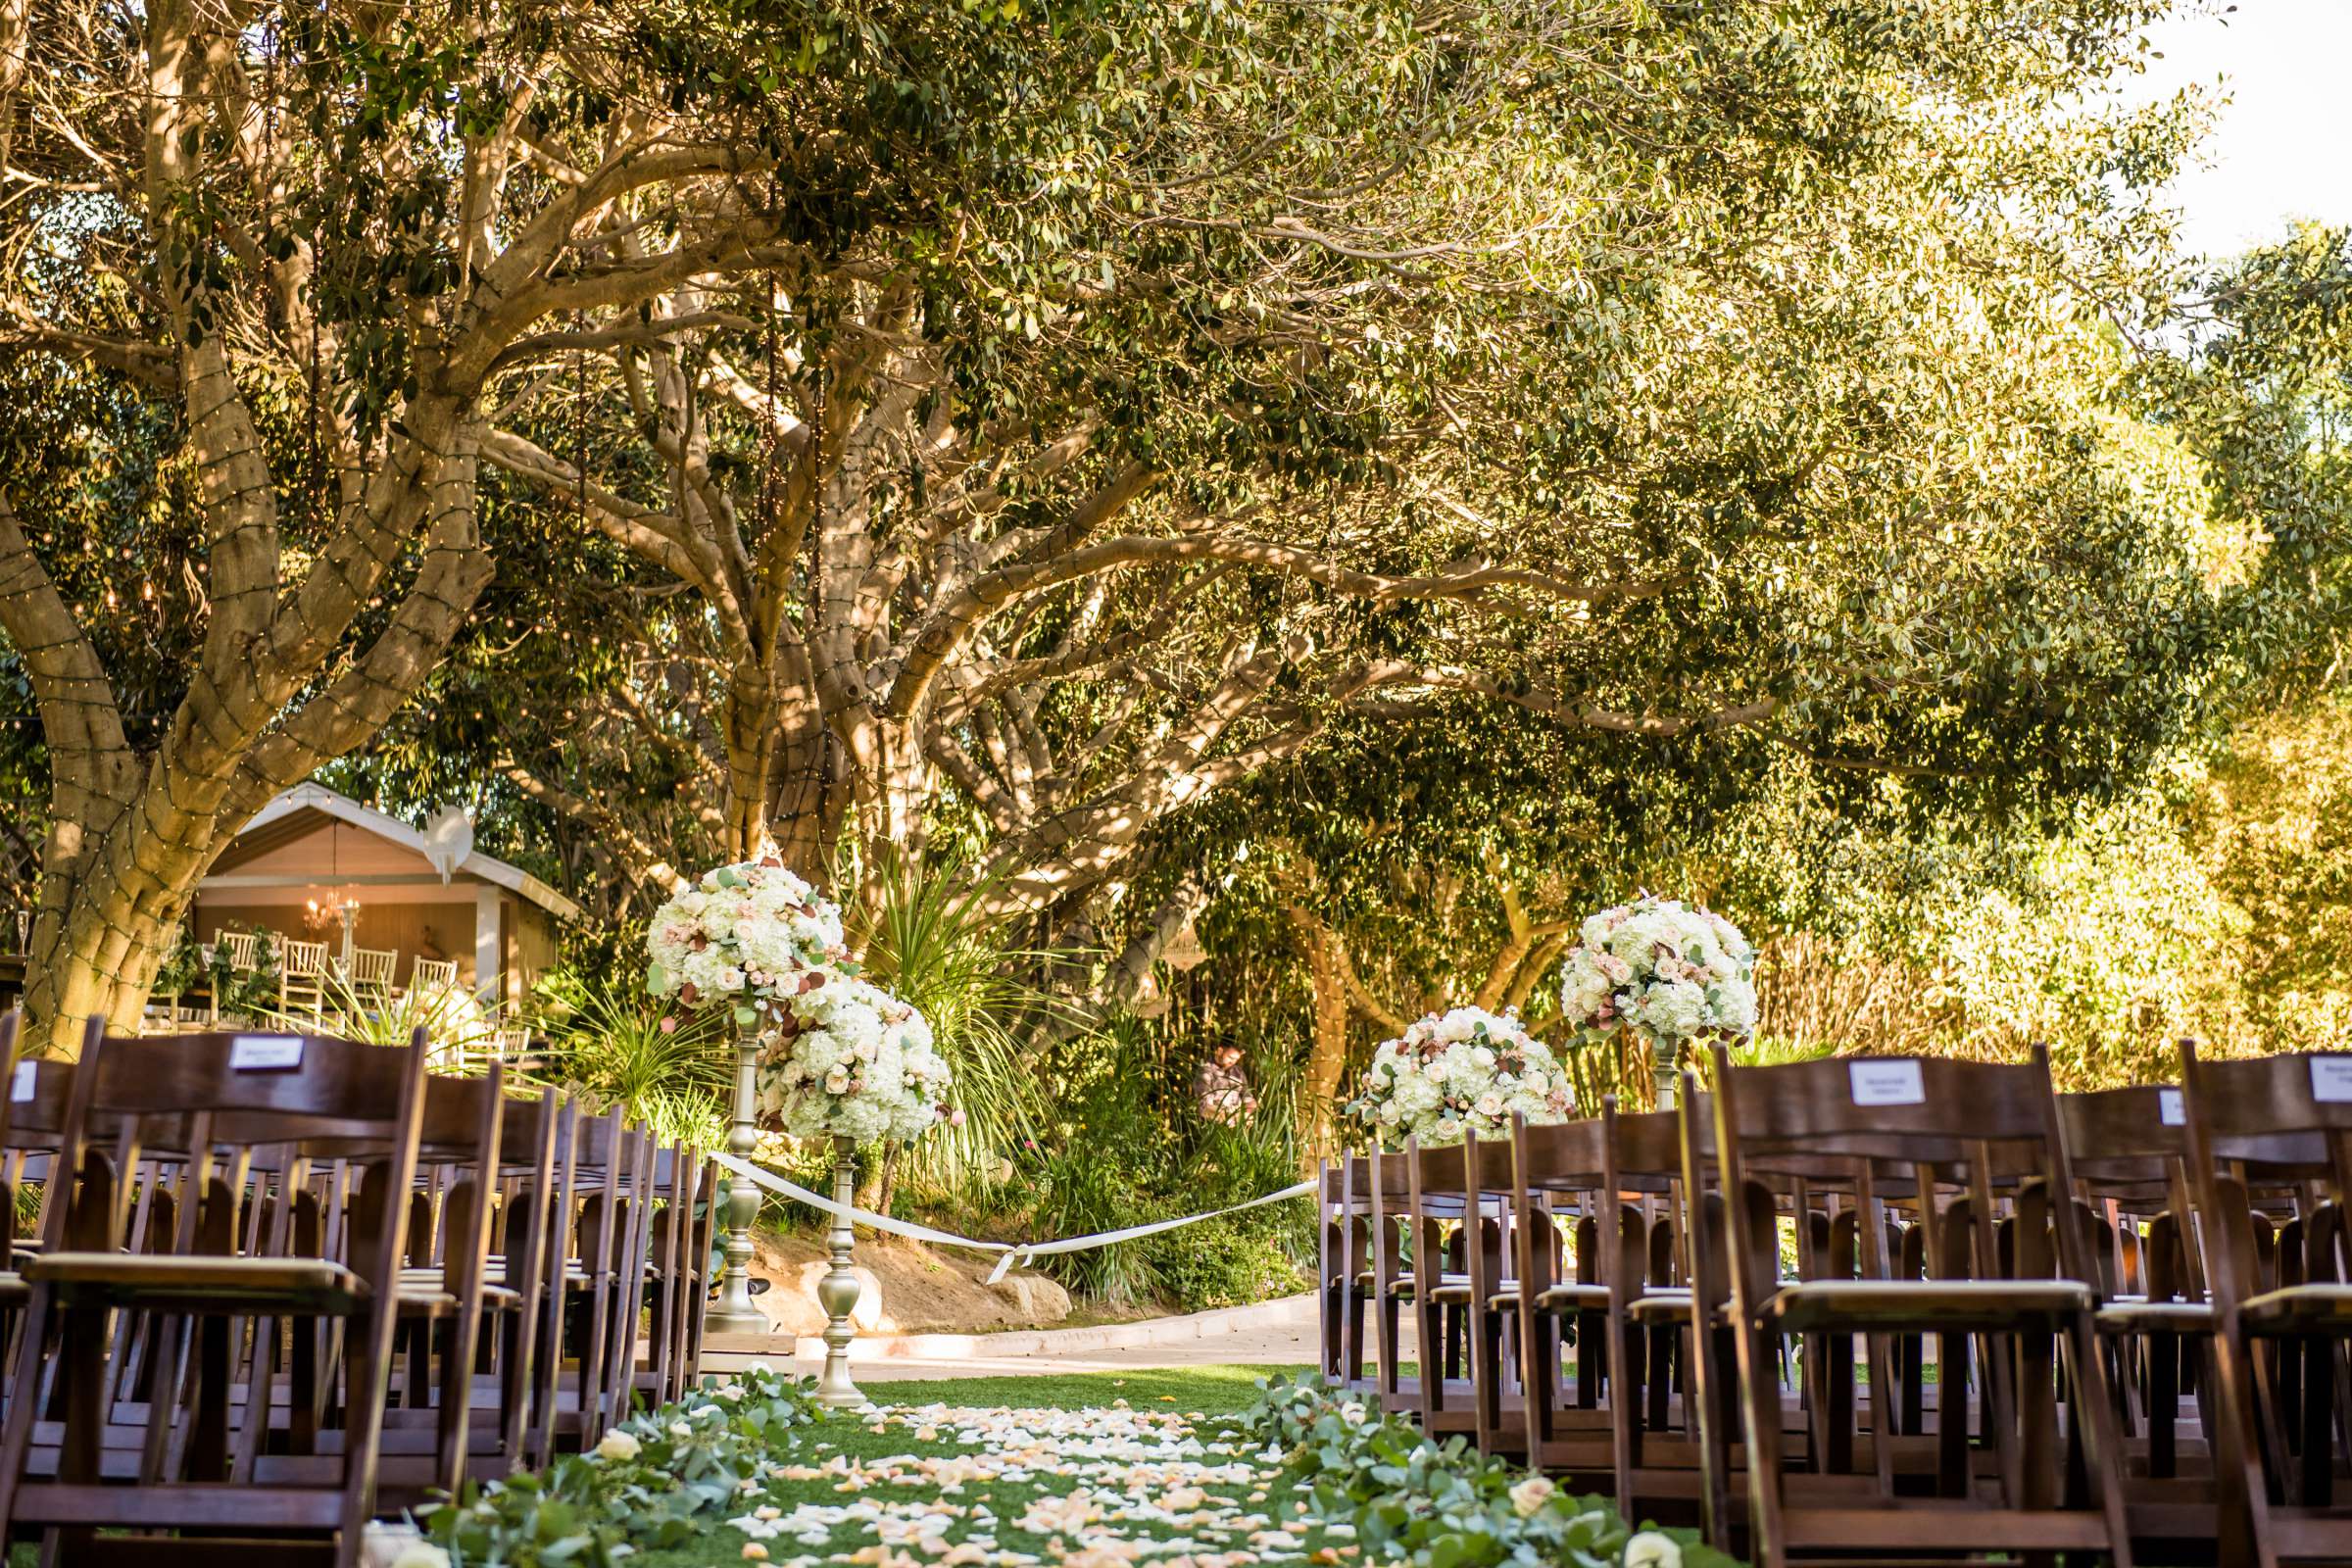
pixel 1087 1471
pixel 1196 1468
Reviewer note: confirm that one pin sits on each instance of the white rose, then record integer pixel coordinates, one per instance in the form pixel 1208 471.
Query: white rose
pixel 616 1446
pixel 1650 1550
pixel 420 1554
pixel 1529 1497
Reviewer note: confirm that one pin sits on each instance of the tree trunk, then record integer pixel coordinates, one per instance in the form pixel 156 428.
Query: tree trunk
pixel 806 789
pixel 1327 1058
pixel 110 901
pixel 752 738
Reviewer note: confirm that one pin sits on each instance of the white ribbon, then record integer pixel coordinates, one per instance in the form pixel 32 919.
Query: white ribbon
pixel 1008 1255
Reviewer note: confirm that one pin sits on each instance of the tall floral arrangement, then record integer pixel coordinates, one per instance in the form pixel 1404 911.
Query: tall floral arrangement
pixel 1467 1071
pixel 751 937
pixel 851 1060
pixel 835 1056
pixel 1662 969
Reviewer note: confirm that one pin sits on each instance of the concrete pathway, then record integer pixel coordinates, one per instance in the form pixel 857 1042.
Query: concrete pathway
pixel 1279 1333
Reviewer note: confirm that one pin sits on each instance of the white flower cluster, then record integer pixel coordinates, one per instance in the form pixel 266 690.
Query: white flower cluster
pixel 1671 971
pixel 851 1060
pixel 837 1056
pixel 1468 1070
pixel 747 936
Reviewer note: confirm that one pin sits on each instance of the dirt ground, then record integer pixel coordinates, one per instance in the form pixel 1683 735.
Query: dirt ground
pixel 922 1291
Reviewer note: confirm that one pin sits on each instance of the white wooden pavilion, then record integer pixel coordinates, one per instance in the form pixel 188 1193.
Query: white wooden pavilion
pixel 316 865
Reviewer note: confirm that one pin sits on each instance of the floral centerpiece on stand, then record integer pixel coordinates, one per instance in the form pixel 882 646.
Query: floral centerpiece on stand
pixel 822 1055
pixel 751 936
pixel 1667 972
pixel 851 1060
pixel 1465 1071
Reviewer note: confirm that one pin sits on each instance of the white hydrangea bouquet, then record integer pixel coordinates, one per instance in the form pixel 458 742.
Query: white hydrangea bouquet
pixel 835 1057
pixel 851 1060
pixel 1469 1070
pixel 750 936
pixel 1665 971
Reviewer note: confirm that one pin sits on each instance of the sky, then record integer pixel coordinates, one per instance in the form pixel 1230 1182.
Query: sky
pixel 2283 147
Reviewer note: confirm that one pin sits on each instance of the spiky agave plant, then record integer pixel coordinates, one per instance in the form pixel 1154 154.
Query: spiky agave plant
pixel 460 1032
pixel 928 938
pixel 607 1041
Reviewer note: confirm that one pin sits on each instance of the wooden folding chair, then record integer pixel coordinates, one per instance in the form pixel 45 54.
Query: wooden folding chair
pixel 2281 1304
pixel 445 1294
pixel 1453 1315
pixel 677 1254
pixel 587 1227
pixel 1618 1426
pixel 1343 1232
pixel 1487 1302
pixel 1938 1121
pixel 24 1086
pixel 240 1093
pixel 2130 1150
pixel 430 974
pixel 534 1131
pixel 1388 1283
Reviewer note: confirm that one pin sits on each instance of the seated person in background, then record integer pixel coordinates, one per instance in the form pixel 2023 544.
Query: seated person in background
pixel 1222 1088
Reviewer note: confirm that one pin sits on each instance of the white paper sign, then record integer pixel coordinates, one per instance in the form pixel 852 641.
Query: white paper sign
pixel 2168 1109
pixel 23 1082
pixel 1887 1083
pixel 264 1053
pixel 2332 1077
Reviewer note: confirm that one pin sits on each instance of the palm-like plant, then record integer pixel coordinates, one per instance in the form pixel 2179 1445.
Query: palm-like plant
pixel 928 939
pixel 460 1032
pixel 609 1042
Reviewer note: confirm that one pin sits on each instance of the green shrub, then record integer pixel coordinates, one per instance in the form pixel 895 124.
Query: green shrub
pixel 658 1482
pixel 1130 1149
pixel 1446 1505
pixel 1220 1262
pixel 613 1045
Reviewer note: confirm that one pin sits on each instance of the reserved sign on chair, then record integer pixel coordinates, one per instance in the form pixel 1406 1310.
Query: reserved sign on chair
pixel 1887 1083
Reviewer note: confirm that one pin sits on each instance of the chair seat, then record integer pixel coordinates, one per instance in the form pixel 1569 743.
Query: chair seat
pixel 1455 1291
pixel 2139 1316
pixel 2298 1307
pixel 1402 1284
pixel 199 1282
pixel 1572 1298
pixel 1664 1307
pixel 1804 1305
pixel 426 1299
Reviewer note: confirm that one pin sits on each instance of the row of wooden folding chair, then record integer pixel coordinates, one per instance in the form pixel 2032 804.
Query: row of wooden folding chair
pixel 282 1283
pixel 1975 1341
